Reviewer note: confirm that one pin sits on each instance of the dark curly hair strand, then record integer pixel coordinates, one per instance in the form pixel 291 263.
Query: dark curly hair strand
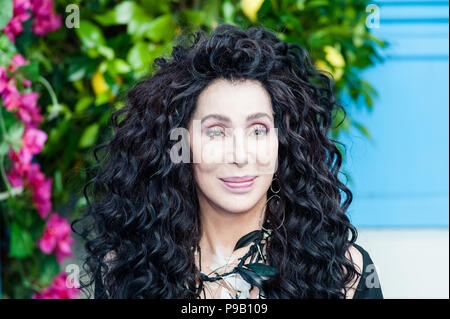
pixel 144 206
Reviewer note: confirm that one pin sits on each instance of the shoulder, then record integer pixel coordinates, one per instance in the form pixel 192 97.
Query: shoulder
pixel 366 286
pixel 355 255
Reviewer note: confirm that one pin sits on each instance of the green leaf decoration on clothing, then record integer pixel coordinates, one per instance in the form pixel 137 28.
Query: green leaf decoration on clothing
pixel 263 269
pixel 247 239
pixel 251 277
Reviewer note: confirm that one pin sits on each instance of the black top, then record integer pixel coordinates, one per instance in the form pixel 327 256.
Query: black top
pixel 368 286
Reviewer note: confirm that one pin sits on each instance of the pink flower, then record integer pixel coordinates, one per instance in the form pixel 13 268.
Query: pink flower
pixel 42 189
pixel 29 111
pixel 42 193
pixel 17 61
pixel 3 79
pixel 11 96
pixel 44 20
pixel 58 289
pixel 56 238
pixel 14 178
pixel 18 166
pixel 20 15
pixel 33 140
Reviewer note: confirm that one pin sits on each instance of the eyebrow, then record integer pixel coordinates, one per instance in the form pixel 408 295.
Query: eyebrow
pixel 225 119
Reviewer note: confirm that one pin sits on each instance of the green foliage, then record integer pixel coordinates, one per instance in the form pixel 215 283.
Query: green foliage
pixel 6 12
pixel 13 132
pixel 89 68
pixel 21 242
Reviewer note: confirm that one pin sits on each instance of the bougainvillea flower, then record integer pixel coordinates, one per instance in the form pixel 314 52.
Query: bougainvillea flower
pixel 17 61
pixel 42 189
pixel 33 140
pixel 56 238
pixel 58 289
pixel 42 193
pixel 20 15
pixel 44 19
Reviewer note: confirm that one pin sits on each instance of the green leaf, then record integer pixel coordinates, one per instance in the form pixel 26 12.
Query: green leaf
pixel 140 23
pixel 362 129
pixel 157 6
pixel 30 71
pixel 162 28
pixel 251 277
pixel 228 11
pixel 6 45
pixel 120 66
pixel 58 181
pixel 247 239
pixel 262 269
pixel 6 13
pixel 55 110
pixel 89 135
pixel 102 98
pixel 317 3
pixel 81 67
pixel 192 17
pixel 106 19
pixel 4 148
pixel 139 56
pixel 21 244
pixel 90 35
pixel 49 269
pixel 107 52
pixel 15 132
pixel 211 10
pixel 340 120
pixel 83 104
pixel 76 74
pixel 124 11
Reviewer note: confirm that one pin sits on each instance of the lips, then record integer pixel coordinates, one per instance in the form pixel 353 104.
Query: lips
pixel 239 184
pixel 238 180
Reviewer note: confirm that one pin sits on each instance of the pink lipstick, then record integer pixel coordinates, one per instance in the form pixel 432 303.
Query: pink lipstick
pixel 239 182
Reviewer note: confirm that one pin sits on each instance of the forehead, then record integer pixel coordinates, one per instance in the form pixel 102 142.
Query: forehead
pixel 235 100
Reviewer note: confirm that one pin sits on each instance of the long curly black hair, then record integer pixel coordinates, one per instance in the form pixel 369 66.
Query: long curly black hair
pixel 144 208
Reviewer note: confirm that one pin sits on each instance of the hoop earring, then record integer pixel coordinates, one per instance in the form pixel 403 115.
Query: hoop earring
pixel 262 210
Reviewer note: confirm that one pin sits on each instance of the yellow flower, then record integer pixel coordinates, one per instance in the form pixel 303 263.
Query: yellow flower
pixel 251 7
pixel 334 57
pixel 337 73
pixel 98 83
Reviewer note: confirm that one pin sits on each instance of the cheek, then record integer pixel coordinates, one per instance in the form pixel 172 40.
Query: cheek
pixel 215 151
pixel 206 176
pixel 204 170
pixel 266 152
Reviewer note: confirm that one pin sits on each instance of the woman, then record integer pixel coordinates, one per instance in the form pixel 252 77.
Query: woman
pixel 220 181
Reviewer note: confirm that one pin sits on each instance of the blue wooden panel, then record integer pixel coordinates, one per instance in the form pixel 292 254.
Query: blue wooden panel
pixel 402 179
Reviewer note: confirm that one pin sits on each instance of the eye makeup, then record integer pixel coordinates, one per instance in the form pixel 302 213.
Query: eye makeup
pixel 218 130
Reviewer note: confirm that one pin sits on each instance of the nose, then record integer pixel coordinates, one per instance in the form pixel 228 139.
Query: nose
pixel 240 148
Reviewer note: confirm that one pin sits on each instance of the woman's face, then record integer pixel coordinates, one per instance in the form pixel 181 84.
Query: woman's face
pixel 232 135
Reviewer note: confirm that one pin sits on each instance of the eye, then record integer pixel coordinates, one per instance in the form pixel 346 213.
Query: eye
pixel 215 131
pixel 260 130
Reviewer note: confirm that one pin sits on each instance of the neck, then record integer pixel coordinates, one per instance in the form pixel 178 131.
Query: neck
pixel 222 229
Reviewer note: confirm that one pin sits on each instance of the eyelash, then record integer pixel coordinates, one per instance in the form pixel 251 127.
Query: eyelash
pixel 211 132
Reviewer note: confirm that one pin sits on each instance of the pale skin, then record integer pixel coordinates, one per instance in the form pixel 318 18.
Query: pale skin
pixel 227 215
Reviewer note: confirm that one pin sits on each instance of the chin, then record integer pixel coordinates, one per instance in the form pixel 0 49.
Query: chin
pixel 238 204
